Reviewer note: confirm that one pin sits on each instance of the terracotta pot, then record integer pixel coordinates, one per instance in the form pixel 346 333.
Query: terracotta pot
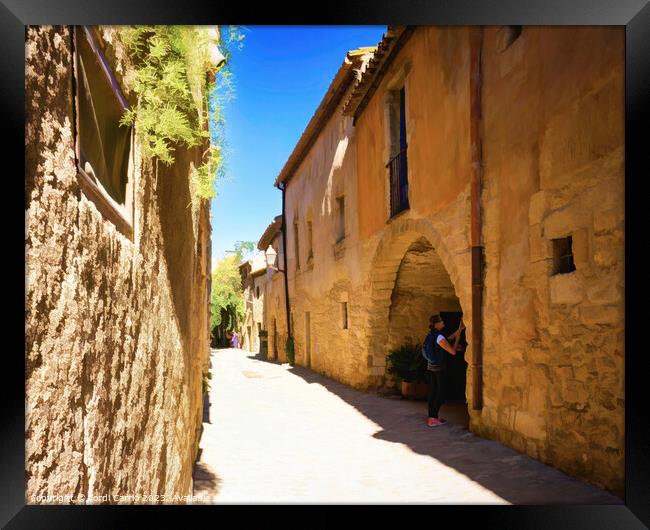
pixel 415 390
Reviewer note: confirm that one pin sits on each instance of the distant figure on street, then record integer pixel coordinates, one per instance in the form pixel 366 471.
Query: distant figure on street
pixel 235 340
pixel 435 345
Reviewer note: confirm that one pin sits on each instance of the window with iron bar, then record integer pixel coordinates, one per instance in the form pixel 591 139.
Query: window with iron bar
pixel 397 165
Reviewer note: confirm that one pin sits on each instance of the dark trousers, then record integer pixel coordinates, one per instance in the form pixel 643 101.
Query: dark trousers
pixel 437 393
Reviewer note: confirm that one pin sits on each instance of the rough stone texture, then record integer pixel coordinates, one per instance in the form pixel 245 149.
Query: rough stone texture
pixel 553 359
pixel 116 330
pixel 553 150
pixel 422 286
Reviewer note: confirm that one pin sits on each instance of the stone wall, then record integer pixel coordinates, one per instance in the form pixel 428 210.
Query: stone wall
pixel 254 312
pixel 275 315
pixel 554 167
pixel 116 330
pixel 320 286
pixel 274 309
pixel 552 134
pixel 422 288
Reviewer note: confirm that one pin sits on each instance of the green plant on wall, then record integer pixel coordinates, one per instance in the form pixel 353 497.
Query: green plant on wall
pixel 407 364
pixel 291 354
pixel 174 78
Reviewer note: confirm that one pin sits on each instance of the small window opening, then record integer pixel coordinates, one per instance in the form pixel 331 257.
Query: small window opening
pixel 563 256
pixel 258 291
pixel 310 240
pixel 340 230
pixel 297 244
pixel 344 315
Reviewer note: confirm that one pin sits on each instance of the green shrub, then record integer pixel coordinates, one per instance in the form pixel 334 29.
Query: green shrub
pixel 291 355
pixel 407 364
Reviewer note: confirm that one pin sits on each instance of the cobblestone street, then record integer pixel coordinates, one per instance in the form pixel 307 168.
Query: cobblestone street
pixel 287 435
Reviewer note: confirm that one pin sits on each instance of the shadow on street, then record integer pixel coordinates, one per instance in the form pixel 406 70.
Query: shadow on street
pixel 206 481
pixel 513 476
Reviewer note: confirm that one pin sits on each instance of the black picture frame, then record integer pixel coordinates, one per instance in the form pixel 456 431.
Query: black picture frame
pixel 633 14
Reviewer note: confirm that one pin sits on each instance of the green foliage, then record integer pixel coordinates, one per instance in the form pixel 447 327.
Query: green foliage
pixel 406 363
pixel 174 80
pixel 222 92
pixel 243 248
pixel 227 296
pixel 205 175
pixel 169 60
pixel 291 354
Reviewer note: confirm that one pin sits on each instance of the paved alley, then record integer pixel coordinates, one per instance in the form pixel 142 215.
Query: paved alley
pixel 278 434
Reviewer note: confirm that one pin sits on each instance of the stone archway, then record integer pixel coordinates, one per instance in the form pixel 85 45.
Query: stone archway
pixel 409 245
pixel 422 287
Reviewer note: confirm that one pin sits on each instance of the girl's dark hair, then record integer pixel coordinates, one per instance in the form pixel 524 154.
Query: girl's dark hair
pixel 435 319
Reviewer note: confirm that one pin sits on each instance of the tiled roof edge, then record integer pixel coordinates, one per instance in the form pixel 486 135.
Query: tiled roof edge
pixel 335 92
pixel 374 71
pixel 269 234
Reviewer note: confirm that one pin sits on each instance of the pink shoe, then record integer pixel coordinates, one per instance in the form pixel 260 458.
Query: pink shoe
pixel 433 422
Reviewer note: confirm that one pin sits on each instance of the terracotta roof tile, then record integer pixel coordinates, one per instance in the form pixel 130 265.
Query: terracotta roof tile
pixel 373 72
pixel 269 234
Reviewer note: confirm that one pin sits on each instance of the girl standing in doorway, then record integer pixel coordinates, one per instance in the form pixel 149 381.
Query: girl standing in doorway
pixel 437 371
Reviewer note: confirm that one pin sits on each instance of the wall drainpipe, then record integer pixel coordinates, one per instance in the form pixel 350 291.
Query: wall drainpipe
pixel 476 44
pixel 284 254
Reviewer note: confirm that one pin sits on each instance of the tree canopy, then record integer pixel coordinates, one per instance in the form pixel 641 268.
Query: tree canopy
pixel 227 298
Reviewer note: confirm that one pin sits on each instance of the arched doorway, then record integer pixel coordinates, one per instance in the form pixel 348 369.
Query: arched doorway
pixel 414 277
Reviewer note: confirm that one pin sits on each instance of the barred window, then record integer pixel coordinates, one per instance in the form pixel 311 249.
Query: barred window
pixel 397 165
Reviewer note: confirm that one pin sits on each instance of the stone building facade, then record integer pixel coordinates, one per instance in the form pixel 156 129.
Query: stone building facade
pixel 274 311
pixel 117 294
pixel 254 279
pixel 536 115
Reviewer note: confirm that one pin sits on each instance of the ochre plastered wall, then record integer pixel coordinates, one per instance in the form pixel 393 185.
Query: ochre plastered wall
pixel 363 268
pixel 321 286
pixel 432 66
pixel 552 132
pixel 116 330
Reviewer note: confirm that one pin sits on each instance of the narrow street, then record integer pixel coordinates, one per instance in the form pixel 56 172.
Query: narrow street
pixel 278 434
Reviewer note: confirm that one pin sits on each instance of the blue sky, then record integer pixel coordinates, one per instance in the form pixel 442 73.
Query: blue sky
pixel 280 75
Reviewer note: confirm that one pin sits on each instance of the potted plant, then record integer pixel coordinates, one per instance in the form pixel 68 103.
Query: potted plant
pixel 410 370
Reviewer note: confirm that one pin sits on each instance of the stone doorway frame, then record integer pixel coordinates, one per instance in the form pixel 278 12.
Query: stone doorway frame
pixel 391 249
